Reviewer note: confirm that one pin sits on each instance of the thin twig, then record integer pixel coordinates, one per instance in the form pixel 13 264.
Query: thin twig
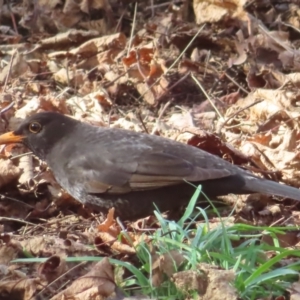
pixel 160 116
pixel 207 97
pixel 9 70
pixel 16 220
pixel 152 9
pixel 58 278
pixel 117 29
pixel 242 109
pixel 236 83
pixel 7 108
pixel 16 200
pixel 132 29
pixel 174 85
pixel 218 131
pixel 21 155
pixel 157 5
pixel 12 17
pixel 283 45
pixel 187 46
pixel 142 122
pixel 137 55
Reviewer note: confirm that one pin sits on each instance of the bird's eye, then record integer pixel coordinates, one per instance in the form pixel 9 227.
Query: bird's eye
pixel 35 127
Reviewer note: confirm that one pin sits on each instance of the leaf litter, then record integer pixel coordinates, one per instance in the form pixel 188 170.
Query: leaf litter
pixel 110 63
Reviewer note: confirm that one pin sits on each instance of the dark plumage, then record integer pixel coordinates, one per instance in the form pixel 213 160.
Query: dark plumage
pixel 104 167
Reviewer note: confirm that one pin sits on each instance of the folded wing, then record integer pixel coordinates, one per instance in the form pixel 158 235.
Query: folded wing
pixel 148 171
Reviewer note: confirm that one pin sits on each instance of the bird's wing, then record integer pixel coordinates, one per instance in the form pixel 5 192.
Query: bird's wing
pixel 147 171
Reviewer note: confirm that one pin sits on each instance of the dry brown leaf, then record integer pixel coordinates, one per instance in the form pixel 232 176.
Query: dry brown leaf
pixel 147 92
pixel 276 40
pixel 295 291
pixel 105 57
pixel 290 59
pixel 9 251
pixel 143 56
pixel 109 221
pixel 230 98
pixel 213 144
pixel 250 116
pixel 288 239
pixel 283 156
pixel 88 104
pixel 72 36
pixel 167 264
pixel 126 124
pixel 95 285
pixel 52 268
pixel 26 166
pixel 215 10
pixel 52 245
pixel 23 289
pixel 35 245
pixel 31 107
pixel 111 240
pixel 242 56
pixel 8 171
pixel 18 68
pixel 94 46
pixel 182 120
pixel 144 223
pixel 69 77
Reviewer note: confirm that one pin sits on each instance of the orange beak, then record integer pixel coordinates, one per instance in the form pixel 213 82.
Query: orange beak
pixel 10 137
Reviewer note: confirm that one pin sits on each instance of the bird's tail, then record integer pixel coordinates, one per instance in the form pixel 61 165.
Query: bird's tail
pixel 259 185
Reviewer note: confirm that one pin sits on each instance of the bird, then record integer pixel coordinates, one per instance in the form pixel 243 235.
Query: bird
pixel 104 167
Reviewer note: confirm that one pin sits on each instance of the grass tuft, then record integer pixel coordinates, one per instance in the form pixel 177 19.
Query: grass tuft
pixel 235 247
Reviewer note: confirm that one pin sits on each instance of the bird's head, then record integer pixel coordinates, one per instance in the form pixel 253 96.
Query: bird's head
pixel 40 132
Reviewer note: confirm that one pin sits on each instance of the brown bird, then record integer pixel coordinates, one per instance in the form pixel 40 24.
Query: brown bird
pixel 105 167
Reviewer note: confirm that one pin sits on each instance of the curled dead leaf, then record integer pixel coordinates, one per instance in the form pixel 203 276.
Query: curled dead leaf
pixel 105 239
pixel 109 221
pixel 52 268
